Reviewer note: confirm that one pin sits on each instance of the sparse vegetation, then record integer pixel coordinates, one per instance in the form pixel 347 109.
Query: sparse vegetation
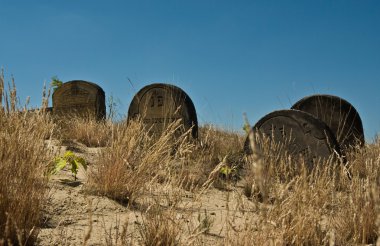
pixel 179 191
pixel 85 130
pixel 159 228
pixel 205 221
pixel 69 158
pixel 135 160
pixel 23 161
pixel 55 83
pixel 214 146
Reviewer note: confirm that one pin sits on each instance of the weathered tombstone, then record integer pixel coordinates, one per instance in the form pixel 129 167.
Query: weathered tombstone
pixel 338 114
pixel 80 98
pixel 161 104
pixel 298 133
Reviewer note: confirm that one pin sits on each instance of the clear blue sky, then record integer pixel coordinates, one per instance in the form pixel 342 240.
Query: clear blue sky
pixel 231 57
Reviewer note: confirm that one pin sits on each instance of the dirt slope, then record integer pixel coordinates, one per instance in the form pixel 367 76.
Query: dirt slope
pixel 72 214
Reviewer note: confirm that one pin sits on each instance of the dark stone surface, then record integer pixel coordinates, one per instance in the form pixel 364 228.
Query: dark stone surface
pixel 160 104
pixel 80 98
pixel 338 114
pixel 299 133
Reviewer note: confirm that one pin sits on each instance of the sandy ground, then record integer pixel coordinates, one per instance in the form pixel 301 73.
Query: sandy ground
pixel 72 214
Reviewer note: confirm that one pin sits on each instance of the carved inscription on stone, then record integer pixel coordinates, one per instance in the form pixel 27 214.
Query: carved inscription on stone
pixel 80 98
pixel 298 133
pixel 161 104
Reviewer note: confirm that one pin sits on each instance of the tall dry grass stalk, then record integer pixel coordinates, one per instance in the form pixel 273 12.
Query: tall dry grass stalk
pixel 159 227
pixel 216 148
pixel 135 160
pixel 321 207
pixel 23 162
pixel 86 130
pixel 293 205
pixel 137 165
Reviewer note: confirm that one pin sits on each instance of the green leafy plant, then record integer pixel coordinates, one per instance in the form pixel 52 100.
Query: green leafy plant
pixel 55 83
pixel 69 158
pixel 246 126
pixel 227 171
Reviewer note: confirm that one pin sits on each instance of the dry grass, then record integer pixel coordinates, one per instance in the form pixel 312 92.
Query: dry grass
pixel 135 161
pixel 137 164
pixel 159 228
pixel 317 208
pixel 292 206
pixel 214 146
pixel 85 130
pixel 23 161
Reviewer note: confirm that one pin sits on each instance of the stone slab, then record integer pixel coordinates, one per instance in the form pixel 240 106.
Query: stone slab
pixel 338 114
pixel 80 98
pixel 161 104
pixel 299 133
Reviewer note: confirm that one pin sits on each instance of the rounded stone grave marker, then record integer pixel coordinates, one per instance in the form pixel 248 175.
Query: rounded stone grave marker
pixel 161 104
pixel 299 133
pixel 338 114
pixel 79 98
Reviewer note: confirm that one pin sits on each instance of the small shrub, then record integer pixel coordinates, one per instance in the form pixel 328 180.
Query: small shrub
pixel 69 158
